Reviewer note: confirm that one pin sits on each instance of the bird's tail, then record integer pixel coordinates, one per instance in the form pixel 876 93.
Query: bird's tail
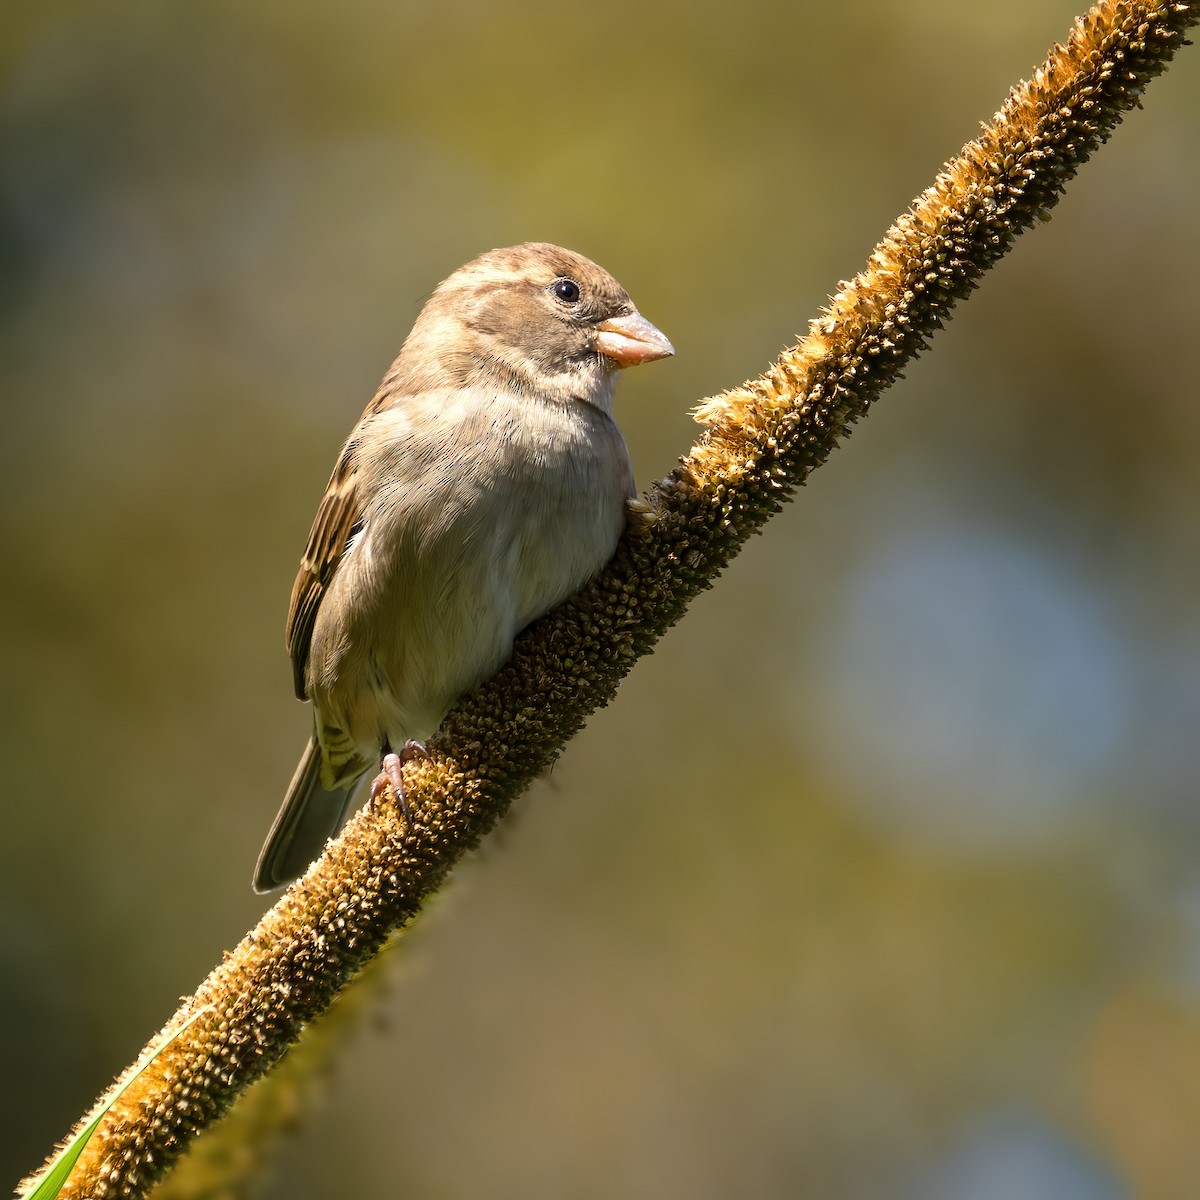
pixel 308 817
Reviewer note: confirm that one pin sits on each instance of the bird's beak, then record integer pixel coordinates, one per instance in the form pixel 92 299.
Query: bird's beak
pixel 630 340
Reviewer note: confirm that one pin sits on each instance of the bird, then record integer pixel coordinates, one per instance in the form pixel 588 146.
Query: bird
pixel 485 482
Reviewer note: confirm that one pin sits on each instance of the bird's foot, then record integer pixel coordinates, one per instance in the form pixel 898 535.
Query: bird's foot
pixel 391 771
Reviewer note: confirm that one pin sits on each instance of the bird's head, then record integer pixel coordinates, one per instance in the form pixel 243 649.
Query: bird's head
pixel 536 318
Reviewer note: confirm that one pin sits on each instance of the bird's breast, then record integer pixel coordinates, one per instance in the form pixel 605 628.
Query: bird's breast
pixel 485 515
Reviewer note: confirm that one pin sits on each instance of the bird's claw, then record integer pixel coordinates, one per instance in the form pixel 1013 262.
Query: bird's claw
pixel 391 773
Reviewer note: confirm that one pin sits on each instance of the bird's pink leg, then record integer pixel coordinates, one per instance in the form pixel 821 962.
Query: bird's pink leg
pixel 391 770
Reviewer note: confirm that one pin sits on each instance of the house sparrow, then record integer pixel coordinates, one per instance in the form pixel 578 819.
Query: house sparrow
pixel 485 482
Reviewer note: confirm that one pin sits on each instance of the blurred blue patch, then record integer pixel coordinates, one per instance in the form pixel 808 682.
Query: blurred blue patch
pixel 975 690
pixel 1016 1157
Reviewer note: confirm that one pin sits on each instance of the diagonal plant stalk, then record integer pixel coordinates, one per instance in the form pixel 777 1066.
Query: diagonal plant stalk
pixel 761 441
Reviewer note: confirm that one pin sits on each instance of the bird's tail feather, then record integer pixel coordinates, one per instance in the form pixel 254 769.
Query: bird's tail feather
pixel 308 817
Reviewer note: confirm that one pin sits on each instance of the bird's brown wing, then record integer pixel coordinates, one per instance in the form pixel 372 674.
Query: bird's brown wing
pixel 337 520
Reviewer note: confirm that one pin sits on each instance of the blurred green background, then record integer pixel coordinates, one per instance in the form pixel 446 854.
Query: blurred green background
pixel 882 877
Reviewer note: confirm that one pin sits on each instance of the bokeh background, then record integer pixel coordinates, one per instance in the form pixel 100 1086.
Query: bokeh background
pixel 881 878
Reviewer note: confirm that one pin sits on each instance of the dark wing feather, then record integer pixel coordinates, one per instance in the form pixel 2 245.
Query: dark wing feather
pixel 338 520
pixel 339 514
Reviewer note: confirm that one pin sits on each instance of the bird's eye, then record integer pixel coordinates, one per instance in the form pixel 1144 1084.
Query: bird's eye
pixel 566 290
